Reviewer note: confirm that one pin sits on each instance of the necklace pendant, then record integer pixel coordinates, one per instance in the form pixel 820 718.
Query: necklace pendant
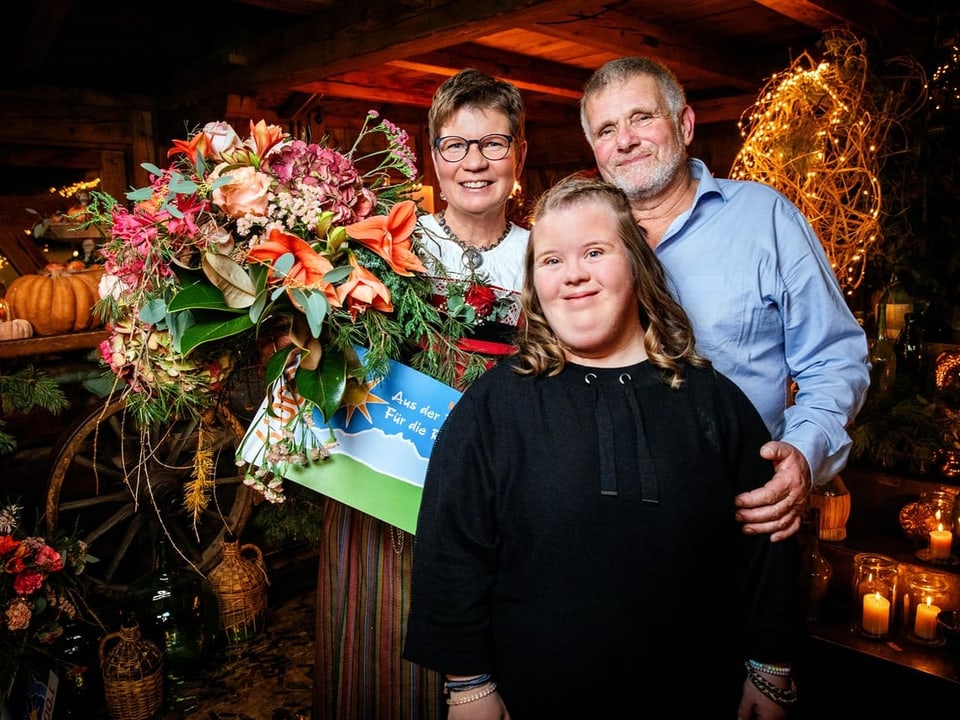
pixel 472 259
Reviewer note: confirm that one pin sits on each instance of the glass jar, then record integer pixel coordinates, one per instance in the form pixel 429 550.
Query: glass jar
pixel 874 595
pixel 925 594
pixel 938 506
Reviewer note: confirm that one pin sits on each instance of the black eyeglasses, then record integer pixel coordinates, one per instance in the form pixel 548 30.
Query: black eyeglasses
pixel 454 148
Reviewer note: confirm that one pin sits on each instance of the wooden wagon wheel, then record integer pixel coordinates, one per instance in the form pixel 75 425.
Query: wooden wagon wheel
pixel 120 495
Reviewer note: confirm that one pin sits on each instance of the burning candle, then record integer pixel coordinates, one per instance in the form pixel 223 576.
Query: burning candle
pixel 876 614
pixel 940 542
pixel 925 624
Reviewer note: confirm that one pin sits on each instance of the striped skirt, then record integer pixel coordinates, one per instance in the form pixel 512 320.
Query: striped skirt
pixel 363 595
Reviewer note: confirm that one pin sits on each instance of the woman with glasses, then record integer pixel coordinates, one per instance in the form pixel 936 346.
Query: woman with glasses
pixel 476 126
pixel 363 588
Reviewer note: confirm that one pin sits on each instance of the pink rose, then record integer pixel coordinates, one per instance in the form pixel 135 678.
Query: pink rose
pixel 245 194
pixel 223 138
pixel 49 560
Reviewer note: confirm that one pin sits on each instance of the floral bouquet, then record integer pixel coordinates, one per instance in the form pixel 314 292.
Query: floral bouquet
pixel 274 248
pixel 39 589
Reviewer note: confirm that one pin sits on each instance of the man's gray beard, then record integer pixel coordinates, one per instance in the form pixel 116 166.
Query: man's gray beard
pixel 662 176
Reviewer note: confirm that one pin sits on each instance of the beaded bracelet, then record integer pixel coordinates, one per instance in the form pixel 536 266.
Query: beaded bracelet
pixel 781 670
pixel 778 695
pixel 476 696
pixel 468 684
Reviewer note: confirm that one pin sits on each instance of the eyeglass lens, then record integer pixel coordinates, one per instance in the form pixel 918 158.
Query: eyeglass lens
pixel 493 147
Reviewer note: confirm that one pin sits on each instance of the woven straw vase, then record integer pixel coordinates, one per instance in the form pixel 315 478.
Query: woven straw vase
pixel 240 584
pixel 132 669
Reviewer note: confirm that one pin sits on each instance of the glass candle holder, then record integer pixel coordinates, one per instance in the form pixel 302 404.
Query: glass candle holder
pixel 938 505
pixel 875 580
pixel 924 596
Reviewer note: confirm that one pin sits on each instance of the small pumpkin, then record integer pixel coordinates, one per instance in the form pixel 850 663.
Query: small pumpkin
pixel 56 301
pixel 15 329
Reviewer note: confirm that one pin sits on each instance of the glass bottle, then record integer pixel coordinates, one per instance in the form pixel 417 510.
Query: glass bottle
pixel 171 608
pixel 909 348
pixel 816 570
pixel 883 357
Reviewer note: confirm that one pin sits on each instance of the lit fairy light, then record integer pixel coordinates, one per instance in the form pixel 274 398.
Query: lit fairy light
pixel 813 134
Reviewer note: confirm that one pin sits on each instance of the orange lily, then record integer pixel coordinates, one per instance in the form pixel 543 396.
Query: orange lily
pixel 308 268
pixel 196 147
pixel 264 137
pixel 362 290
pixel 389 237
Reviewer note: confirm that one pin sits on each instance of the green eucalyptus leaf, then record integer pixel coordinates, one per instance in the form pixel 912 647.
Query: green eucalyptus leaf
pixel 140 194
pixel 338 274
pixel 178 323
pixel 324 387
pixel 205 332
pixel 282 265
pixel 258 308
pixel 152 169
pixel 315 306
pixel 181 185
pixel 154 311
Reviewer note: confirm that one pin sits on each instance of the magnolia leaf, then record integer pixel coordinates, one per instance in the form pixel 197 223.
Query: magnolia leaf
pixel 198 295
pixel 277 363
pixel 201 333
pixel 324 387
pixel 154 311
pixel 230 278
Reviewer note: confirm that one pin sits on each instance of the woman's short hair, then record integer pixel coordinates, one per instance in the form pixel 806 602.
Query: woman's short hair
pixel 471 88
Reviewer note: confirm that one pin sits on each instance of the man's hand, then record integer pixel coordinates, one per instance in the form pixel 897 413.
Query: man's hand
pixel 777 506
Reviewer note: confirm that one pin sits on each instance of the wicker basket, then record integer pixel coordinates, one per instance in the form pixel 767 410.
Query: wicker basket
pixel 240 585
pixel 132 669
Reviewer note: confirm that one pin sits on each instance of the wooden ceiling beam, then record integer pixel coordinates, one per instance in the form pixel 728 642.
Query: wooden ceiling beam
pixel 339 42
pixel 826 14
pixel 545 77
pixel 616 33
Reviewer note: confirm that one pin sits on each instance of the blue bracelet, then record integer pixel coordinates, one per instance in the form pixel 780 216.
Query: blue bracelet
pixel 469 684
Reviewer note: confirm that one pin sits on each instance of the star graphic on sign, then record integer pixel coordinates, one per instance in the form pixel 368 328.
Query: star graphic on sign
pixel 357 396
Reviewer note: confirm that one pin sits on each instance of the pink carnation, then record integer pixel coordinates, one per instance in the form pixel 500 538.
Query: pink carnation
pixel 27 582
pixel 18 615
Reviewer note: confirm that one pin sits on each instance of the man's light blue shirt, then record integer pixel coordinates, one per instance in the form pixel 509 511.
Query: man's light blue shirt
pixel 766 307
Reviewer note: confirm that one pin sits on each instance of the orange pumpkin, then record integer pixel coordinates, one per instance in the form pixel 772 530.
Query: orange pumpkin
pixel 56 301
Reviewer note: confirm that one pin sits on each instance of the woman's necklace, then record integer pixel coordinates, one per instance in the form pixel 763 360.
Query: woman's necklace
pixel 472 258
